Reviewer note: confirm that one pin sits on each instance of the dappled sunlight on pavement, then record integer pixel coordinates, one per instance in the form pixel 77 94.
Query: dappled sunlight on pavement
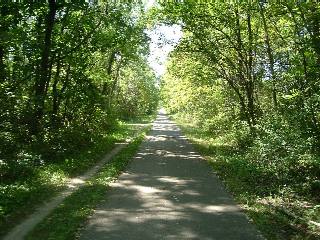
pixel 168 192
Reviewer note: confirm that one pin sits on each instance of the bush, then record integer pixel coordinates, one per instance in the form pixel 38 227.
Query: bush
pixel 283 155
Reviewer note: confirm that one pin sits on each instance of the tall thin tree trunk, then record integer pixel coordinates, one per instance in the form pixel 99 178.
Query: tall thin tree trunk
pixel 250 73
pixel 114 84
pixel 64 87
pixel 42 78
pixel 241 68
pixel 109 70
pixel 55 95
pixel 270 56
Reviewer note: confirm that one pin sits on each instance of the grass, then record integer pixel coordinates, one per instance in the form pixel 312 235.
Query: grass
pixel 19 198
pixel 65 221
pixel 278 211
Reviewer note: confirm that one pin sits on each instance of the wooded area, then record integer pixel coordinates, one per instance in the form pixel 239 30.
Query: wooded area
pixel 245 77
pixel 68 71
pixel 246 74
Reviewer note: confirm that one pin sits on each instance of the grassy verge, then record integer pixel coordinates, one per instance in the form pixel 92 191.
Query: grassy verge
pixel 20 198
pixel 65 221
pixel 278 211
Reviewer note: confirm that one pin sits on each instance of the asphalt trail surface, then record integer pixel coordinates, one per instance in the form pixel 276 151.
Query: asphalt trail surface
pixel 168 192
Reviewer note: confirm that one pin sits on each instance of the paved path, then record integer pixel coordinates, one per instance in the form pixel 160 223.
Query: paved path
pixel 168 192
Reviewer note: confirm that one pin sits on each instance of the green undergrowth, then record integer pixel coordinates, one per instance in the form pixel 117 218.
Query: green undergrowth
pixel 20 197
pixel 66 220
pixel 276 197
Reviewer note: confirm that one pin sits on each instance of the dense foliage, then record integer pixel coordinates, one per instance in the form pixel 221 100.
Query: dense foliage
pixel 248 74
pixel 68 72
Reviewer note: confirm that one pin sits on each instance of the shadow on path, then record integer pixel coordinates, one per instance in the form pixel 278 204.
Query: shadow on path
pixel 168 192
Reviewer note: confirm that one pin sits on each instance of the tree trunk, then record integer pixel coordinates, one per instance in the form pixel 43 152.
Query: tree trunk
pixel 59 95
pixel 270 56
pixel 245 71
pixel 43 76
pixel 109 70
pixel 55 96
pixel 114 84
pixel 250 84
